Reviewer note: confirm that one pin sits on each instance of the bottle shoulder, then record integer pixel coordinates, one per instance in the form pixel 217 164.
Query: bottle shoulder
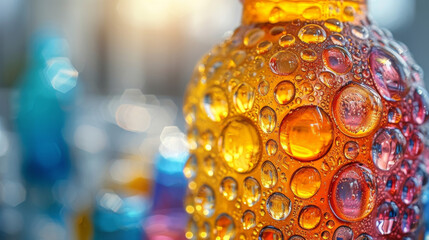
pixel 317 57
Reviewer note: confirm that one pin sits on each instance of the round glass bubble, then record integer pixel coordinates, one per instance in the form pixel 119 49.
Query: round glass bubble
pixel 270 233
pixel 390 73
pixel 388 148
pixel 343 233
pixel 224 227
pixel 353 192
pixel 215 104
pixel 337 59
pixel 205 201
pixel 279 206
pixel 302 126
pixel 239 145
pixel 387 217
pixel 357 110
pixel 284 63
pixel 312 33
pixel 305 182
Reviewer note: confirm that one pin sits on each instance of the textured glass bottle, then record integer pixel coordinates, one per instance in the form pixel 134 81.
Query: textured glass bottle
pixel 307 123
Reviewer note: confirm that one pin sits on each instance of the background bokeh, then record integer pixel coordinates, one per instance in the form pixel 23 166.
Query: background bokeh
pixel 92 141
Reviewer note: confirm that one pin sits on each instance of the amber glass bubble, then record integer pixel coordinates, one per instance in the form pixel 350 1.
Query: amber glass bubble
pixel 305 182
pixel 310 217
pixel 239 145
pixel 307 122
pixel 305 125
pixel 284 92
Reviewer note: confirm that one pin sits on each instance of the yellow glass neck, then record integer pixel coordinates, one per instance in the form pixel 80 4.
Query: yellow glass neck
pixel 273 11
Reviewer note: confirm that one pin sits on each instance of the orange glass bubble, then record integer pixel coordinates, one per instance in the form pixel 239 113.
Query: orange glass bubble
pixel 253 36
pixel 305 182
pixel 287 40
pixel 244 98
pixel 251 191
pixel 284 63
pixel 268 174
pixel 312 33
pixel 334 25
pixel 228 188
pixel 239 145
pixel 267 119
pixel 301 127
pixel 248 220
pixel 279 206
pixel 264 47
pixel 284 92
pixel 224 227
pixel 205 201
pixel 215 104
pixel 308 55
pixel 310 217
pixel 270 233
pixel 329 79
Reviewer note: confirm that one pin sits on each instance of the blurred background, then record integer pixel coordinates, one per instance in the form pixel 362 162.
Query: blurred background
pixel 92 139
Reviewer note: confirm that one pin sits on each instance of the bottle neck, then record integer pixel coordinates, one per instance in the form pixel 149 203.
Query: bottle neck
pixel 274 11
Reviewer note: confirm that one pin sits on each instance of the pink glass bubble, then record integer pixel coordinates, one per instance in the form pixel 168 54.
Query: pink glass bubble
pixel 388 148
pixel 337 59
pixel 390 73
pixel 406 166
pixel 420 104
pixel 353 192
pixel 392 184
pixel 343 233
pixel 387 216
pixel 415 144
pixel 407 129
pixel 410 190
pixel 410 219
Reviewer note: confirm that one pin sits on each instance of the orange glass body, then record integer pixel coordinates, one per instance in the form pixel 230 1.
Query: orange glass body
pixel 307 123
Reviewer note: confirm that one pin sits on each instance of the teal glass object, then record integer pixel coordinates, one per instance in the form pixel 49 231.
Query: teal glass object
pixel 42 106
pixel 119 217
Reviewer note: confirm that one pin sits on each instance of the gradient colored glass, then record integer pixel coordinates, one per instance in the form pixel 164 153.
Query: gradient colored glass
pixel 306 123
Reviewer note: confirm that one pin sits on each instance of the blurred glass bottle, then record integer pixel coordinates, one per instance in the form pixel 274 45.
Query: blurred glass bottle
pixel 43 103
pixel 44 100
pixel 308 122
